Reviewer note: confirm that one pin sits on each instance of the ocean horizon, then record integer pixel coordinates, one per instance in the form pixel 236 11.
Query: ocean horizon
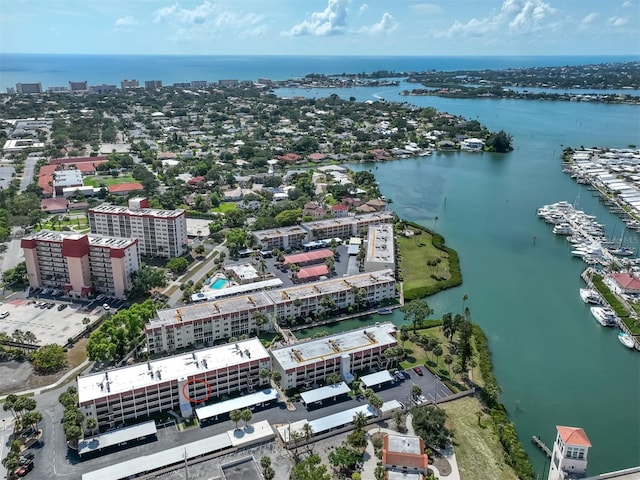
pixel 55 70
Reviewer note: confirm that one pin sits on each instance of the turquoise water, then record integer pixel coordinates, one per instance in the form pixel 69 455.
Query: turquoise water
pixel 219 283
pixel 556 365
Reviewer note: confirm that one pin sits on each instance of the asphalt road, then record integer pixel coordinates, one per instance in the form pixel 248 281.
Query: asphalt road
pixel 27 174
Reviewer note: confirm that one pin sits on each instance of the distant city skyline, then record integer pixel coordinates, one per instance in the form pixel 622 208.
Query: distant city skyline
pixel 322 27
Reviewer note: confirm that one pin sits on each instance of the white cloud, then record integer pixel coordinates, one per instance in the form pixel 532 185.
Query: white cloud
pixel 386 24
pixel 515 17
pixel 589 19
pixel 627 4
pixel 331 21
pixel 127 21
pixel 363 8
pixel 618 21
pixel 207 20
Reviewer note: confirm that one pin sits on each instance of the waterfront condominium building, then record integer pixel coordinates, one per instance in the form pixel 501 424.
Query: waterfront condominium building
pixel 180 381
pixel 160 233
pixel 343 227
pixel 205 322
pixel 81 264
pixel 380 248
pixel 308 363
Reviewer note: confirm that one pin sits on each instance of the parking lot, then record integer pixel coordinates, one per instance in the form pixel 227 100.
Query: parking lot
pixel 50 325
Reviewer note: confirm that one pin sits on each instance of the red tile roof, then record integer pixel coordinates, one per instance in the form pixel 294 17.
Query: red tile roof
pixel 44 177
pixel 340 208
pixel 54 204
pixel 125 187
pixel 626 281
pixel 309 257
pixel 312 272
pixel 78 160
pixel 573 436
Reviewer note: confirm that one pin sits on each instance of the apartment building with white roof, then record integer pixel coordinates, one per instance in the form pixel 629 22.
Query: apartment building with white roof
pixel 205 322
pixel 180 381
pixel 308 363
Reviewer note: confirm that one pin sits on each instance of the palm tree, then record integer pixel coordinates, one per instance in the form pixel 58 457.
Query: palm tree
pixel 359 420
pixel 448 360
pixel 437 351
pixel 235 416
pixel 246 415
pixel 307 432
pixel 400 421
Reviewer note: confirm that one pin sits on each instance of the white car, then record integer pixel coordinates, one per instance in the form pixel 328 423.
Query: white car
pixel 106 306
pixel 4 314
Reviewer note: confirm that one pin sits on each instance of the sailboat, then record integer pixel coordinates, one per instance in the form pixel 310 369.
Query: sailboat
pixel 622 251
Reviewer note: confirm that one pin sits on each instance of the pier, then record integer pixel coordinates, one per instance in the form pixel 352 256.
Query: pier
pixel 540 444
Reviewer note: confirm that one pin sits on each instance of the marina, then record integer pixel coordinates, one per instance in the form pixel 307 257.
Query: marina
pixel 589 243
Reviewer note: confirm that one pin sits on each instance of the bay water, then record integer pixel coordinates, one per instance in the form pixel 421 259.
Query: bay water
pixel 556 365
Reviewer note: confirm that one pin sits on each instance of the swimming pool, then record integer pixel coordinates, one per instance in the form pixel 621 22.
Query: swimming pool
pixel 219 283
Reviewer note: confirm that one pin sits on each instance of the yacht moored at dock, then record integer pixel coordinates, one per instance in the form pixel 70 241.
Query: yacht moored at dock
pixel 605 316
pixel 626 340
pixel 590 296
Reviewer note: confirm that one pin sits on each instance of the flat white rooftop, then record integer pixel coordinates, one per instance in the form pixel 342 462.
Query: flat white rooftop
pixel 161 371
pixel 335 345
pixel 115 437
pixel 239 403
pixel 404 443
pixel 324 424
pixel 380 244
pixel 377 378
pixel 214 293
pixel 322 393
pixel 109 209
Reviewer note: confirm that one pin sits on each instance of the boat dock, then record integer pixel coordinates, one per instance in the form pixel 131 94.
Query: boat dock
pixel 540 444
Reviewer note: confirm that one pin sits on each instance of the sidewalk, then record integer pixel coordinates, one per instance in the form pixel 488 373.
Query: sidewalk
pixel 71 373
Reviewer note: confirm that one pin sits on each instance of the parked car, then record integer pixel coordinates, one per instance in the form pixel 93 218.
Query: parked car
pixel 24 469
pixel 50 305
pixel 62 306
pixel 106 306
pixel 26 458
pixel 4 314
pixel 400 375
pixel 418 370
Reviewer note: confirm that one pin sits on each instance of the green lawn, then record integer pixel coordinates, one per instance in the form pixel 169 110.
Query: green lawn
pixel 225 207
pixel 415 253
pixel 478 450
pixel 108 180
pixel 77 223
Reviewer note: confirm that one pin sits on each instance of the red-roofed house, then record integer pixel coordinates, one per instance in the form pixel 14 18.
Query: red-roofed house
pixel 624 282
pixel 289 157
pixel 569 453
pixel 339 211
pixel 313 210
pixel 125 188
pixel 54 205
pixel 197 181
pixel 45 179
pixel 78 160
pixel 404 453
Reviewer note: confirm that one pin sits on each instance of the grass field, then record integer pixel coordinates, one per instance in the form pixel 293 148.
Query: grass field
pixel 476 445
pixel 416 253
pixel 108 180
pixel 76 223
pixel 225 207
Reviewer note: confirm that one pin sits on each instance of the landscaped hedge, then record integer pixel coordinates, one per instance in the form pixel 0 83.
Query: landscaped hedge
pixel 454 280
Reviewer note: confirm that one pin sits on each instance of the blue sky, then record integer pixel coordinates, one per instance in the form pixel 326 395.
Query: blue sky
pixel 322 27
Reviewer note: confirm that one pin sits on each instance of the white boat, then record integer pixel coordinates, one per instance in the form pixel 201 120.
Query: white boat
pixel 622 251
pixel 604 316
pixel 563 229
pixel 626 340
pixel 590 296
